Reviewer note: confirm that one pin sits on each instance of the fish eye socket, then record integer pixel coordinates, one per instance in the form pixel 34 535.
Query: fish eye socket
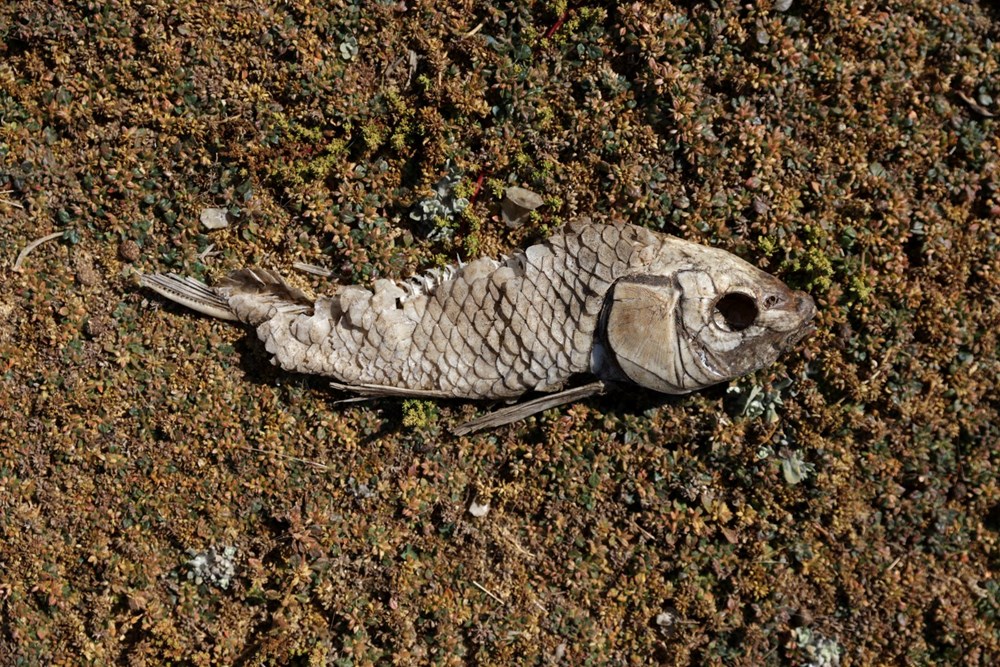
pixel 737 311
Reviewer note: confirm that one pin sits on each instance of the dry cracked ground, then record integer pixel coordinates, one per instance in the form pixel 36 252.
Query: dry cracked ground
pixel 167 496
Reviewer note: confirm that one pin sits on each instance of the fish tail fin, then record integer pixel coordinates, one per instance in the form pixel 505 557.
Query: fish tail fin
pixel 189 292
pixel 257 295
pixel 248 295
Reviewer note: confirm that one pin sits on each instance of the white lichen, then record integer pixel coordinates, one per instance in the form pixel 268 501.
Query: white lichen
pixel 819 650
pixel 215 566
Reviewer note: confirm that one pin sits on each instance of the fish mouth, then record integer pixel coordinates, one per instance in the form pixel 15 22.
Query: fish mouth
pixel 805 306
pixel 799 335
pixel 804 311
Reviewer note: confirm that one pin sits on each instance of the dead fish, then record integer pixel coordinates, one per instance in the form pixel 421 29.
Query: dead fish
pixel 617 304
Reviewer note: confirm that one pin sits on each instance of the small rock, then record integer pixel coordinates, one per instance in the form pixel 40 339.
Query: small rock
pixel 667 622
pixel 479 511
pixel 517 204
pixel 214 218
pixel 86 275
pixel 803 617
pixel 95 327
pixel 128 250
pixel 782 5
pixel 666 619
pixel 560 651
pixel 762 36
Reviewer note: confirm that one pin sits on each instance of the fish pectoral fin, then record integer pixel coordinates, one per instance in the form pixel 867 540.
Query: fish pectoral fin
pixel 499 417
pixel 365 391
pixel 520 411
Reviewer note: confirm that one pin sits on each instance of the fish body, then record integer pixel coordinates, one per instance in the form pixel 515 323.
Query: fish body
pixel 619 303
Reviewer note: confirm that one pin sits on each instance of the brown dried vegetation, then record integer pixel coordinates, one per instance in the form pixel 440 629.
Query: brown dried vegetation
pixel 850 147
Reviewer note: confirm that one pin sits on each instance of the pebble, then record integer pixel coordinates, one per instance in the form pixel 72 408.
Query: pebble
pixel 517 204
pixel 128 250
pixel 214 218
pixel 86 275
pixel 95 327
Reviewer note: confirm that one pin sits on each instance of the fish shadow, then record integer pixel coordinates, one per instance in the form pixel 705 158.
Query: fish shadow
pixel 636 401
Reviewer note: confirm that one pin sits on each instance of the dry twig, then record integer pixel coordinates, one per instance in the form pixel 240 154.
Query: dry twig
pixel 485 590
pixel 313 269
pixel 31 246
pixel 321 466
pixel 9 202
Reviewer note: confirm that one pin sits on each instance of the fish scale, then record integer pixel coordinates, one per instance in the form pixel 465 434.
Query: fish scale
pixel 616 301
pixel 543 305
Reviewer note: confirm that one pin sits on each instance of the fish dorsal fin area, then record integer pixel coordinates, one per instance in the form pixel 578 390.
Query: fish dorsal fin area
pixel 428 282
pixel 257 295
pixel 424 284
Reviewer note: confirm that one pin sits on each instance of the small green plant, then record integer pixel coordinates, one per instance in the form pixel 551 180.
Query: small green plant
pixel 419 414
pixel 752 401
pixel 795 469
pixel 349 48
pixel 438 211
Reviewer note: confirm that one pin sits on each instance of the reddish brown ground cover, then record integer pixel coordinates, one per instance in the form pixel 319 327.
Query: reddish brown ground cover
pixel 850 147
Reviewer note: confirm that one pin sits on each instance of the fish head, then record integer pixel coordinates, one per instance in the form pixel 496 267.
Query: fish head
pixel 714 318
